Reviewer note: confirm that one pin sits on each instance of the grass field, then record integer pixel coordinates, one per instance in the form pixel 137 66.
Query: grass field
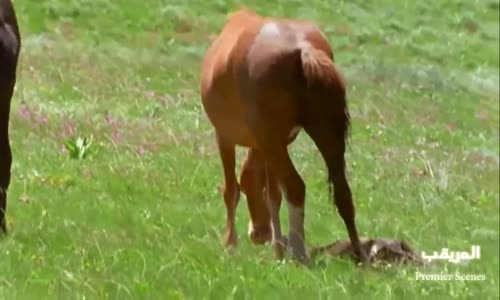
pixel 139 215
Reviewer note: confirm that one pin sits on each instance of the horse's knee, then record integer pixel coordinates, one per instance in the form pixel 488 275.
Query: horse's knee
pixel 250 175
pixel 273 190
pixel 231 194
pixel 246 179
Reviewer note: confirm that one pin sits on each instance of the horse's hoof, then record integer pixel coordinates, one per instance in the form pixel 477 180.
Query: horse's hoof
pixel 279 250
pixel 361 258
pixel 301 259
pixel 229 240
pixel 259 235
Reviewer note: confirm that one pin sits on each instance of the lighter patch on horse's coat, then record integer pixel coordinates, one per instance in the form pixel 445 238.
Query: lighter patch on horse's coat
pixel 269 29
pixel 302 42
pixel 251 229
pixel 295 130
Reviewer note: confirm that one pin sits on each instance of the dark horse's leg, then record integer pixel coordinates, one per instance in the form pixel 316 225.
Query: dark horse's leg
pixel 9 51
pixel 5 152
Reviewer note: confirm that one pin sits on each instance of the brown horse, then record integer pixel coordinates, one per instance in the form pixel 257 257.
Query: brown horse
pixel 262 80
pixel 10 43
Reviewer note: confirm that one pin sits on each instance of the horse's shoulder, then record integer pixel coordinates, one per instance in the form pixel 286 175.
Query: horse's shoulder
pixel 236 32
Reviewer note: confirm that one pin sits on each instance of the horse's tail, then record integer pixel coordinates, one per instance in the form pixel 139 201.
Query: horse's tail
pixel 325 85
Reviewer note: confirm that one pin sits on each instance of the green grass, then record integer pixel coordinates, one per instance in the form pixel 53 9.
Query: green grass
pixel 140 217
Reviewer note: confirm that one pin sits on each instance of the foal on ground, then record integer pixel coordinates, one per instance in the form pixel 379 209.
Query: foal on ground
pixel 10 43
pixel 262 80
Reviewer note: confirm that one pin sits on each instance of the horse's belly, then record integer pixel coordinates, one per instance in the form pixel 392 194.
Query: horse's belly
pixel 234 131
pixel 228 118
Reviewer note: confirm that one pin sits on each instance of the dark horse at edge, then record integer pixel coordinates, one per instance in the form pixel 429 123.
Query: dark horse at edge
pixel 10 45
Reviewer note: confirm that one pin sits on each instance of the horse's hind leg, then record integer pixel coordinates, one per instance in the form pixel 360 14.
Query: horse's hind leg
pixel 332 148
pixel 252 182
pixel 231 189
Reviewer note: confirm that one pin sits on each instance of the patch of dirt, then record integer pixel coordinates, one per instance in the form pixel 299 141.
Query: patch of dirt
pixel 469 25
pixel 483 157
pixel 189 30
pixel 342 30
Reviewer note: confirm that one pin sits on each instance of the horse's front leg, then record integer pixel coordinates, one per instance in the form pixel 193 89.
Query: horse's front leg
pixel 231 189
pixel 273 199
pixel 252 182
